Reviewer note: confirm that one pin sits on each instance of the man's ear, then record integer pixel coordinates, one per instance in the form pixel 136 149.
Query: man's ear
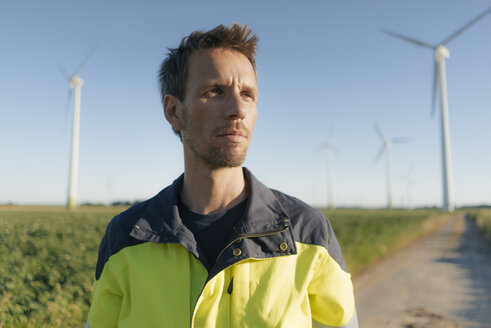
pixel 172 112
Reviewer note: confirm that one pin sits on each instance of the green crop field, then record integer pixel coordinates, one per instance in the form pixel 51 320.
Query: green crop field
pixel 368 235
pixel 48 255
pixel 47 262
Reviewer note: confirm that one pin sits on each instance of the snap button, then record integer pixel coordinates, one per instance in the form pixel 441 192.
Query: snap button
pixel 237 252
pixel 283 246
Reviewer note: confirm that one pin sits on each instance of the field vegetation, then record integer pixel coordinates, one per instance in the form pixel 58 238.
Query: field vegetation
pixel 366 236
pixel 48 255
pixel 482 217
pixel 47 261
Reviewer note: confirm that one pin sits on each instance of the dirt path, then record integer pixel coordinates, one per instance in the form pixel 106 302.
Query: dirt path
pixel 441 281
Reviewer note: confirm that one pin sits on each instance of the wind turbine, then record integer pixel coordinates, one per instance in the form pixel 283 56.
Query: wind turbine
pixel 329 146
pixel 439 75
pixel 386 149
pixel 409 179
pixel 75 83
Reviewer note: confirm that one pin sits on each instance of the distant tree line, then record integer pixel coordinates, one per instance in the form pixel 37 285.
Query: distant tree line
pixel 115 203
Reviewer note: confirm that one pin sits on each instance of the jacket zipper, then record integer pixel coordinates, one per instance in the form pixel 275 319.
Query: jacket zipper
pixel 230 288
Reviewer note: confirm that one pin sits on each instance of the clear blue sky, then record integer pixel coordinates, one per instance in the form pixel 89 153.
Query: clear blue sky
pixel 321 64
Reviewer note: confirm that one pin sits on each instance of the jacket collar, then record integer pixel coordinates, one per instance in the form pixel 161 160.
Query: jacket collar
pixel 161 222
pixel 262 232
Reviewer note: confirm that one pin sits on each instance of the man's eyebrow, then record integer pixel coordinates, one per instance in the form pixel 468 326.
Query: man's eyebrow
pixel 250 87
pixel 221 83
pixel 211 83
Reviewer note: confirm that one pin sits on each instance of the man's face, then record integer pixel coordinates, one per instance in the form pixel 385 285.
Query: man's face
pixel 219 109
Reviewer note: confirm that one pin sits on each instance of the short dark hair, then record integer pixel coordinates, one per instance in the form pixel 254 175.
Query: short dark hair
pixel 173 70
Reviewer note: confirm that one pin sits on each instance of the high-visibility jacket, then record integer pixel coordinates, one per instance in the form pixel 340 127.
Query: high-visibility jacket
pixel 282 267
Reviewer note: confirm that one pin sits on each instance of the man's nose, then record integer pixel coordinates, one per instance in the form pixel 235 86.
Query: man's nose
pixel 236 107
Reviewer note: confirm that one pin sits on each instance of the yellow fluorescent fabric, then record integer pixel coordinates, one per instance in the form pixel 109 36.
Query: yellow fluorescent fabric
pixel 157 285
pixel 331 310
pixel 163 285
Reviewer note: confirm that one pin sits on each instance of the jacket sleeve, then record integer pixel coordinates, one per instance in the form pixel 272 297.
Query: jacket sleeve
pixel 107 296
pixel 331 290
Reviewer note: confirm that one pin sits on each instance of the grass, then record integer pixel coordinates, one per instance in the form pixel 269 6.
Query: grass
pixel 482 218
pixel 48 255
pixel 366 236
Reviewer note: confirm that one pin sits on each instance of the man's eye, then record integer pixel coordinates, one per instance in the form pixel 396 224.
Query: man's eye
pixel 215 91
pixel 249 95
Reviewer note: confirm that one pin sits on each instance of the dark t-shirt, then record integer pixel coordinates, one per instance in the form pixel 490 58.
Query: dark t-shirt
pixel 211 231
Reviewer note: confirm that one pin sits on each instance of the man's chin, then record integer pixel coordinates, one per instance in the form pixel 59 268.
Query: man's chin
pixel 226 163
pixel 226 159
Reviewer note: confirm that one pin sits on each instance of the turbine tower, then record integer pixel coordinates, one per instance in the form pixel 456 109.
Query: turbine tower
pixel 76 84
pixel 386 148
pixel 439 75
pixel 409 179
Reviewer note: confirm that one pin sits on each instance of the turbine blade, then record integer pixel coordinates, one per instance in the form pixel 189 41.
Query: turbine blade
pixel 435 89
pixel 466 26
pixel 400 140
pixel 86 59
pixel 408 39
pixel 379 154
pixel 379 132
pixel 65 73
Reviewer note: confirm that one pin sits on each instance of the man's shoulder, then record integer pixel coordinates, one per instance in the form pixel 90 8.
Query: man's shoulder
pixel 119 228
pixel 309 225
pixel 129 216
pixel 296 207
pixel 117 235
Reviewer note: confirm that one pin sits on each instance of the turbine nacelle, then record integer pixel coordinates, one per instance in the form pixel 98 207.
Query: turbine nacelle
pixel 76 82
pixel 441 53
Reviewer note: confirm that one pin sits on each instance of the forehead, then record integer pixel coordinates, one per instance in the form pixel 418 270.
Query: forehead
pixel 221 64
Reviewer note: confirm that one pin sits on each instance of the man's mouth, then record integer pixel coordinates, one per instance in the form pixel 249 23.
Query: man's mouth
pixel 233 135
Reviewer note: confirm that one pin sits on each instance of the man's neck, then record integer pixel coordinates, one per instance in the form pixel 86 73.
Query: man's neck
pixel 205 190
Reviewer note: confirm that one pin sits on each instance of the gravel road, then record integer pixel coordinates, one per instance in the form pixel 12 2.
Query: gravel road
pixel 443 280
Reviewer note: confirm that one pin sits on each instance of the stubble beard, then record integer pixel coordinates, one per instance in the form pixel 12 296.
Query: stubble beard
pixel 232 155
pixel 227 156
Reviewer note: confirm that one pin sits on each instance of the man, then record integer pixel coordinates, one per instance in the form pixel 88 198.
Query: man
pixel 217 248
